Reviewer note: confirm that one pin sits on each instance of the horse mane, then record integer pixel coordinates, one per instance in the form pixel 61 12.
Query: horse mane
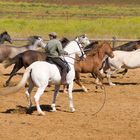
pixel 64 41
pixel 127 45
pixel 90 46
pixel 97 47
pixel 138 42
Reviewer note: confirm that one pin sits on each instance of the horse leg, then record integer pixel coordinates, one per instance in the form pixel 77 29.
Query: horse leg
pixel 97 82
pixel 37 96
pixel 64 89
pixel 123 72
pixel 100 77
pixel 70 87
pixel 13 72
pixel 109 73
pixel 77 80
pixel 28 93
pixel 57 87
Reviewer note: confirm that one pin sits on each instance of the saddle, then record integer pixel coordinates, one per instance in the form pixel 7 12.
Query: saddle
pixel 59 68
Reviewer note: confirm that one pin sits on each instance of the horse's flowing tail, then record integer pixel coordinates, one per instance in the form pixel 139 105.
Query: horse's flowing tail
pixel 8 62
pixel 22 83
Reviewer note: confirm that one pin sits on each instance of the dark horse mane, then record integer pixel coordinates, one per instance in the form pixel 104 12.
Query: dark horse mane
pixel 91 46
pixel 64 41
pixel 130 46
pixel 94 50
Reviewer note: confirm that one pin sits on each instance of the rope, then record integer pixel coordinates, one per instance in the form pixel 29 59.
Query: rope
pixel 104 101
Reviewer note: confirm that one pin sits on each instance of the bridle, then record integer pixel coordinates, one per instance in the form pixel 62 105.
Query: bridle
pixel 82 52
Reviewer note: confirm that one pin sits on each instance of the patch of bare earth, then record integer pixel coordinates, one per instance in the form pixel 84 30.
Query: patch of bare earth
pixel 118 120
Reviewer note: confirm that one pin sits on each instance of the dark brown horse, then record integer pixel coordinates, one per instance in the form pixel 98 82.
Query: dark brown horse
pixel 28 57
pixel 93 62
pixel 130 46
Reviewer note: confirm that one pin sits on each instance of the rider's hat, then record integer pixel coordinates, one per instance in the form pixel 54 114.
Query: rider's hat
pixel 54 34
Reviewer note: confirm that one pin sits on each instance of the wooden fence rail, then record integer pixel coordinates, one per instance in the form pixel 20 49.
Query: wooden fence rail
pixel 114 40
pixel 92 39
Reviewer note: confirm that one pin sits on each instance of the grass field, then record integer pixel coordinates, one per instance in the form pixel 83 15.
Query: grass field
pixel 22 19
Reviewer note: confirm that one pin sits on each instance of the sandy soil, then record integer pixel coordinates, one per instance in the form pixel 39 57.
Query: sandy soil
pixel 118 120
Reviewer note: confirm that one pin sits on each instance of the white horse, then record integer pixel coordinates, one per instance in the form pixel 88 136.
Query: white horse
pixel 40 73
pixel 122 59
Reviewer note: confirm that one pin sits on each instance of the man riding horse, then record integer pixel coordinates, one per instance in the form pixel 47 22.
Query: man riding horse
pixel 54 51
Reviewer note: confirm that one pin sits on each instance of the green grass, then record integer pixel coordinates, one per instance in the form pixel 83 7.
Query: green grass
pixel 25 19
pixel 121 28
pixel 39 11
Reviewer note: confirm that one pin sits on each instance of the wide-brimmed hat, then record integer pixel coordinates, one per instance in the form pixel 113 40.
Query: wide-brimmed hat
pixel 53 34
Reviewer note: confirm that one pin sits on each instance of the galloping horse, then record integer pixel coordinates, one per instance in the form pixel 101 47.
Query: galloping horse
pixel 8 51
pixel 93 62
pixel 40 73
pixel 122 59
pixel 4 36
pixel 130 46
pixel 28 57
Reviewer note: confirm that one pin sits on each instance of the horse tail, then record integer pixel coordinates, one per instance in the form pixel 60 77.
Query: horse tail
pixel 22 83
pixel 8 62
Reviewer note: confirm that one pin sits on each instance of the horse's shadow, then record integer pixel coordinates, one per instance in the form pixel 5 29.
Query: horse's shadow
pixel 24 110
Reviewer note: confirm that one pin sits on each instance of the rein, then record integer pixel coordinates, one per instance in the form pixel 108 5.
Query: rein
pixel 80 49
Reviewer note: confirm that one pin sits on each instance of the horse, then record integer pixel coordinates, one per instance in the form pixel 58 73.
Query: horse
pixel 28 57
pixel 40 73
pixel 9 51
pixel 130 46
pixel 122 59
pixel 93 62
pixel 4 36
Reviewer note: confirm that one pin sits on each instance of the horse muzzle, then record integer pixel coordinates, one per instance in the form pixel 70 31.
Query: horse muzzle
pixel 10 41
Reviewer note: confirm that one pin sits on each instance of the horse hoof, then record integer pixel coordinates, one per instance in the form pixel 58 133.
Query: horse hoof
pixel 112 84
pixel 41 113
pixel 53 110
pixel 85 90
pixel 5 85
pixel 65 91
pixel 72 110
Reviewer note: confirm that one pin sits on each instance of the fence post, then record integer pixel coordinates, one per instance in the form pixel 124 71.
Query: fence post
pixel 113 42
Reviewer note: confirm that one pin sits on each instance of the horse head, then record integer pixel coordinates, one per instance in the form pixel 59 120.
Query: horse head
pixel 137 46
pixel 83 39
pixel 108 49
pixel 36 41
pixel 5 37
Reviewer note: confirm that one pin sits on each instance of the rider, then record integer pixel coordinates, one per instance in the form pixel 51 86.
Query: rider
pixel 54 50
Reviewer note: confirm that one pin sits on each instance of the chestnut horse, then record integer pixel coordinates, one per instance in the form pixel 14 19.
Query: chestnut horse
pixel 93 62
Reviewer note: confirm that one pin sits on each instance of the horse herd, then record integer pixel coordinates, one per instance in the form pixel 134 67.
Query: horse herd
pixel 98 58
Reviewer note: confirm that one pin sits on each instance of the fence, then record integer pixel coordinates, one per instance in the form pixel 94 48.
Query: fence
pixel 114 40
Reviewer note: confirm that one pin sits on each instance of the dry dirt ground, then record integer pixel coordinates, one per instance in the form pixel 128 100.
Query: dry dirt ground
pixel 118 120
